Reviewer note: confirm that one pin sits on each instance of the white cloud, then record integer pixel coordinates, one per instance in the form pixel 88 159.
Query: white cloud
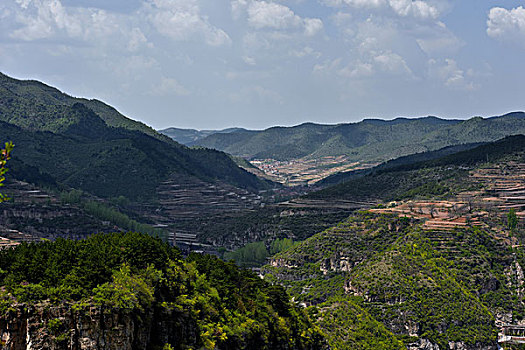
pixel 249 60
pixel 356 3
pixel 404 8
pixel 168 87
pixel 389 43
pixel 392 63
pixel 262 14
pixel 41 20
pixel 357 70
pixel 50 19
pixel 380 65
pixel 312 26
pixel 181 20
pixel 304 52
pixel 438 40
pixel 417 9
pixel 451 75
pixel 272 15
pixel 341 18
pixel 507 25
pixel 327 67
pixel 238 7
pixel 137 39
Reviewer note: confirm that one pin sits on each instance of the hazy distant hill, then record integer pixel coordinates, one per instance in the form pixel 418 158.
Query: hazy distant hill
pixel 189 137
pixel 89 145
pixel 365 141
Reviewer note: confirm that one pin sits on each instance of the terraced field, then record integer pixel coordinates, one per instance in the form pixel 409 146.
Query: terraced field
pixel 503 188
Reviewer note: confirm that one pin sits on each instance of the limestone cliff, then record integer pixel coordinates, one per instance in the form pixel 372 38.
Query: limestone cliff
pixel 45 326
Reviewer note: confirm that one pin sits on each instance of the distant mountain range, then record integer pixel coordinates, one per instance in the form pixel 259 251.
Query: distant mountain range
pixel 191 136
pixel 370 140
pixel 88 145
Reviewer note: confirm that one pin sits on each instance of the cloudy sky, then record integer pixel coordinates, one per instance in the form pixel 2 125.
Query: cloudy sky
pixel 258 63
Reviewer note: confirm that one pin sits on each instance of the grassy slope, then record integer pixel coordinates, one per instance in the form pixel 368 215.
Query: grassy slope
pixel 444 286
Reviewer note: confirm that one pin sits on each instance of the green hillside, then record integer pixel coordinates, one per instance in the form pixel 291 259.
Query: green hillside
pixel 90 146
pixel 37 106
pixel 401 284
pixel 366 141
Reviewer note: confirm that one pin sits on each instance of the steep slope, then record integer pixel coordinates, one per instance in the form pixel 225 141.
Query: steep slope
pixel 366 141
pixel 426 287
pixel 37 106
pixel 102 153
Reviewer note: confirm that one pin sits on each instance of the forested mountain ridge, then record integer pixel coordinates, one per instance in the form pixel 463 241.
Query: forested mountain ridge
pixel 34 105
pixel 366 141
pixel 89 145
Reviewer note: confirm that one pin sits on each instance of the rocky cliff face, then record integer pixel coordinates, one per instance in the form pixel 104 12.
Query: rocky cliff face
pixel 43 326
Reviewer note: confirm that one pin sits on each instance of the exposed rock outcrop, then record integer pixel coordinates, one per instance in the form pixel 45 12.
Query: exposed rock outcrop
pixel 44 326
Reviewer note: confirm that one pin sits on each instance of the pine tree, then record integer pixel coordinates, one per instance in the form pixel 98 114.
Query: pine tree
pixel 512 220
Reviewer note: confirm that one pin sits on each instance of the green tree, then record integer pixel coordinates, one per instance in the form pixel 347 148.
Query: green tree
pixel 5 155
pixel 512 220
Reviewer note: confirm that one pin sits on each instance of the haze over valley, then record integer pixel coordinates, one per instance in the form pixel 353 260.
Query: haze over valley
pixel 262 174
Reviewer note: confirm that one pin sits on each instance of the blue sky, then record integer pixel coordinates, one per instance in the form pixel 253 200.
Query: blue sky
pixel 255 64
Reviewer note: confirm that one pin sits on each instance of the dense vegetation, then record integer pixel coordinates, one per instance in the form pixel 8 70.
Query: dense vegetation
pixel 36 106
pixel 366 141
pixel 109 213
pixel 255 254
pixel 395 278
pixel 88 145
pixel 351 326
pixel 227 308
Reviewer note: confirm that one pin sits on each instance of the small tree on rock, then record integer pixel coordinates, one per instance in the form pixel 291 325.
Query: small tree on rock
pixel 5 155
